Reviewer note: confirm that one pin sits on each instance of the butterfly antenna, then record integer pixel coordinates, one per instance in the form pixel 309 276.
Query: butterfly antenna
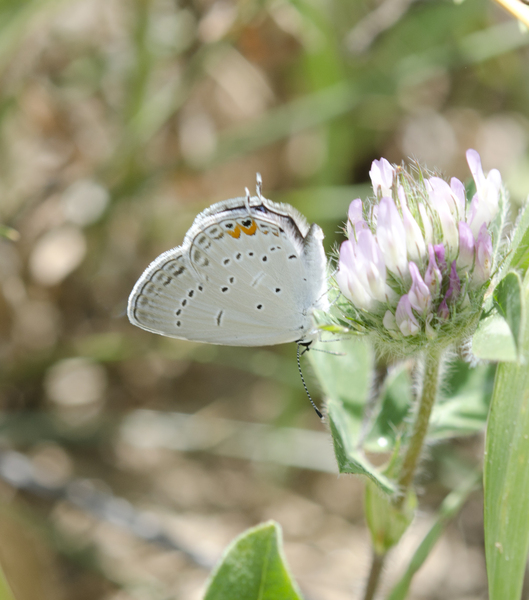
pixel 305 385
pixel 259 185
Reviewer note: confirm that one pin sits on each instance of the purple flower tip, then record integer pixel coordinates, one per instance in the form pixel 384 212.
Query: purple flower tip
pixel 443 311
pixel 454 287
pixel 439 250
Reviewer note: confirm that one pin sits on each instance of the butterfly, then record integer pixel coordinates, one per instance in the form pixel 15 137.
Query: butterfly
pixel 250 272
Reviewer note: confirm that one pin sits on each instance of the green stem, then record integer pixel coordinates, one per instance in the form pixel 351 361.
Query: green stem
pixel 377 563
pixel 420 426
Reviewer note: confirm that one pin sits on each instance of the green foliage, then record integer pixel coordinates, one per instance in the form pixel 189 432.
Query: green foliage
pixel 461 410
pixel 253 568
pixel 506 475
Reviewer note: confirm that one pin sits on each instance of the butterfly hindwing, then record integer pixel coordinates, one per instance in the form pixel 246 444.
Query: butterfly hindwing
pixel 242 277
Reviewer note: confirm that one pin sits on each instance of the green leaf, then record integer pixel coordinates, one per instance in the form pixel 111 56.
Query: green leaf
pixel 518 257
pixel 506 476
pixel 346 381
pixel 508 301
pixel 493 340
pixel 449 508
pixel 253 568
pixel 345 433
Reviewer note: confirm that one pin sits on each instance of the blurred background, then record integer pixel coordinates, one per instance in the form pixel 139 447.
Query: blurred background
pixel 128 461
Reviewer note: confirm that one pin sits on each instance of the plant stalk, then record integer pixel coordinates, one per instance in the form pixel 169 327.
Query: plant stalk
pixel 420 426
pixel 377 564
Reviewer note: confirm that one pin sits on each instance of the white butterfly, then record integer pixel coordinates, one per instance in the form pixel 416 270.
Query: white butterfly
pixel 249 273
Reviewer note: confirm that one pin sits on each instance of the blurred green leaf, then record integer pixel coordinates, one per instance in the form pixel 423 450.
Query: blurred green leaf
pixel 9 233
pixel 493 340
pixel 253 567
pixel 298 115
pixel 506 476
pixel 396 401
pixel 5 589
pixel 509 302
pixel 449 508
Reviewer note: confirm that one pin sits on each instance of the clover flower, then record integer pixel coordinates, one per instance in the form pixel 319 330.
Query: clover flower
pixel 419 256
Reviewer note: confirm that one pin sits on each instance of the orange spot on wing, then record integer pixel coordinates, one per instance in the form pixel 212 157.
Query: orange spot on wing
pixel 236 233
pixel 250 230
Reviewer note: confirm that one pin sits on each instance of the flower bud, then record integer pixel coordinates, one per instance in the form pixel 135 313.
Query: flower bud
pixel 443 311
pixel 348 281
pixel 454 286
pixel 426 224
pixel 406 320
pixel 419 294
pixel 465 258
pixel 459 193
pixel 483 266
pixel 433 276
pixel 441 197
pixel 414 239
pixel 391 237
pixel 382 174
pixel 485 203
pixel 355 221
pixel 370 265
pixel 447 196
pixel 439 251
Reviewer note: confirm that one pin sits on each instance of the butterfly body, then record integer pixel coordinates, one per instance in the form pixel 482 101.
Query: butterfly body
pixel 250 272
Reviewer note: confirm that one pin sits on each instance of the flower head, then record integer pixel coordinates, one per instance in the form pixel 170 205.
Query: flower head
pixel 419 253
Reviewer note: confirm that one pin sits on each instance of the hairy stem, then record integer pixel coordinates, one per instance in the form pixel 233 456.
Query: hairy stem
pixel 377 563
pixel 420 426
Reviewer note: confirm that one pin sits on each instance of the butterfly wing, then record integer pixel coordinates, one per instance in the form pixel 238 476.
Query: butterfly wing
pixel 246 275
